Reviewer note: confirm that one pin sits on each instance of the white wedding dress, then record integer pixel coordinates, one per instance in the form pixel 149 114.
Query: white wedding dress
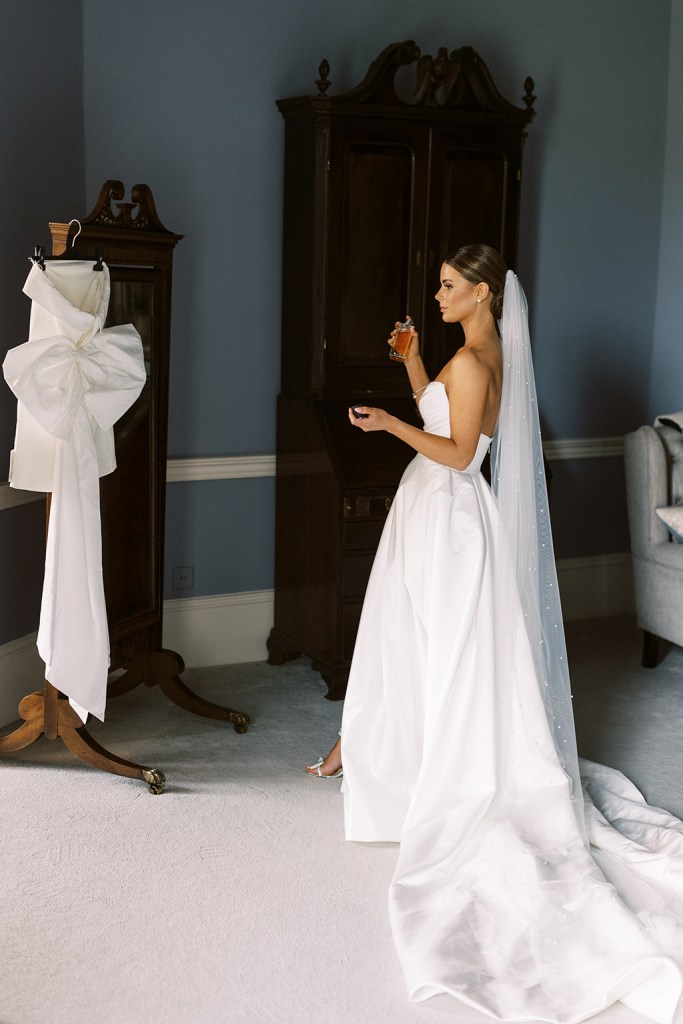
pixel 500 897
pixel 74 379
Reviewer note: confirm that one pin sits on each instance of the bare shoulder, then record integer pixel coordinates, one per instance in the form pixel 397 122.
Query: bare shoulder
pixel 467 356
pixel 468 366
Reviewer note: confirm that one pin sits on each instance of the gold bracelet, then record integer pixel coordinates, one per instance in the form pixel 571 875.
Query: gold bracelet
pixel 416 393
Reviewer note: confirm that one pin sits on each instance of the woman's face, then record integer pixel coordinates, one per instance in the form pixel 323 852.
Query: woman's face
pixel 457 298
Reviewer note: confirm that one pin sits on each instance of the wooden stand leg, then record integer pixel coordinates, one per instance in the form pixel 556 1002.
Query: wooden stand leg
pixel 50 713
pixel 163 668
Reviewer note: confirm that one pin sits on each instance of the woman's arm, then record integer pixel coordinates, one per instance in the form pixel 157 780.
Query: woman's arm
pixel 417 375
pixel 467 382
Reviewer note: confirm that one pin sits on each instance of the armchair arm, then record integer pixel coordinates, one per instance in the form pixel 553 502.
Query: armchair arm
pixel 645 466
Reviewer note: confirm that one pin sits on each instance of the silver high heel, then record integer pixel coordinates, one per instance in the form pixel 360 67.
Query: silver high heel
pixel 318 765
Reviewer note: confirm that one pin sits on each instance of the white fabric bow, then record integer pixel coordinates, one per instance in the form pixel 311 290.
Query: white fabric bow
pixel 73 381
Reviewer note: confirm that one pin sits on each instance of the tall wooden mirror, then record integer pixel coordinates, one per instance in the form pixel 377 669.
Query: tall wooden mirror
pixel 138 250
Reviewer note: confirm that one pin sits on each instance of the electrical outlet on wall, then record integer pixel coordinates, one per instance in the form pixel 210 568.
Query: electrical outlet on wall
pixel 182 577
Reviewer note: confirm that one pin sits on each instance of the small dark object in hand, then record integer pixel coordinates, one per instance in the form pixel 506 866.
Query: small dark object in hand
pixel 358 415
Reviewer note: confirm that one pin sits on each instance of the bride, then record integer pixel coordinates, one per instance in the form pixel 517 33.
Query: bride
pixel 512 892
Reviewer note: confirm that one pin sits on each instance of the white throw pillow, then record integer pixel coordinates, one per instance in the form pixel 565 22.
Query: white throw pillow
pixel 672 517
pixel 671 419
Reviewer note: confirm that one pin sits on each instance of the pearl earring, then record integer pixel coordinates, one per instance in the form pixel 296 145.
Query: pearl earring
pixel 478 300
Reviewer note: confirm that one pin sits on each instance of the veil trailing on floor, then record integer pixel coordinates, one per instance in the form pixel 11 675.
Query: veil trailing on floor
pixel 518 481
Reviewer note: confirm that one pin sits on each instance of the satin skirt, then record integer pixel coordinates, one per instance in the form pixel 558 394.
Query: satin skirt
pixel 502 897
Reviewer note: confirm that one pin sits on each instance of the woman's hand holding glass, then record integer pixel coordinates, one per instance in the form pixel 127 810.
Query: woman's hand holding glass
pixel 404 342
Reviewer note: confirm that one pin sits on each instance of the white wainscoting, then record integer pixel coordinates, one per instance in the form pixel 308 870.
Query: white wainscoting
pixel 596 587
pixel 219 630
pixel 231 628
pixel 242 467
pixel 233 467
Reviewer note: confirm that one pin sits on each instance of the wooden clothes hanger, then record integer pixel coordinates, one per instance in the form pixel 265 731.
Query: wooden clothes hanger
pixel 71 253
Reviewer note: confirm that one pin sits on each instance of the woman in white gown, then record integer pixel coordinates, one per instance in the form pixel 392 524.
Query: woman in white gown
pixel 457 733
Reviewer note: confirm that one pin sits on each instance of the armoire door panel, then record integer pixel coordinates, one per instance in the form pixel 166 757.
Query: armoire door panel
pixel 376 239
pixel 473 197
pixel 467 205
pixel 374 248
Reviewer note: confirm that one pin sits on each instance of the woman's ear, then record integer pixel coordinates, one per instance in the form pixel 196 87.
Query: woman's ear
pixel 482 291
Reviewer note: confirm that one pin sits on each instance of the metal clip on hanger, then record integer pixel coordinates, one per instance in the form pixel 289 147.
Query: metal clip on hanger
pixel 38 257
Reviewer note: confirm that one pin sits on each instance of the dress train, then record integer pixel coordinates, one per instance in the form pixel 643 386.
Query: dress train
pixel 500 897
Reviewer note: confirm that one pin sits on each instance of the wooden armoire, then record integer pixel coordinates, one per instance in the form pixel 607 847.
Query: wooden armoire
pixel 381 183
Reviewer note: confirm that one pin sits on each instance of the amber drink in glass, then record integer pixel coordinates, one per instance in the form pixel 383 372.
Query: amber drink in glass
pixel 401 341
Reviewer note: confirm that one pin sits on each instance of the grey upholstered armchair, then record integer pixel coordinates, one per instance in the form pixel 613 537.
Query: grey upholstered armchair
pixel 653 458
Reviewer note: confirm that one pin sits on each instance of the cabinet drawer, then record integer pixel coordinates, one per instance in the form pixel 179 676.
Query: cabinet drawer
pixel 362 534
pixel 355 574
pixel 366 506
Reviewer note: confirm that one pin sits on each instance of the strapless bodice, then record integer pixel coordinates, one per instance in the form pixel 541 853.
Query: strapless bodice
pixel 435 412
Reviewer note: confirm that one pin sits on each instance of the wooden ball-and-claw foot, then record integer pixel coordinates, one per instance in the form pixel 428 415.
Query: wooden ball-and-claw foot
pixel 155 780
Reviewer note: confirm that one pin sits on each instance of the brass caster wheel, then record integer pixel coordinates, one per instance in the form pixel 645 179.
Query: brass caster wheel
pixel 156 790
pixel 240 721
pixel 153 777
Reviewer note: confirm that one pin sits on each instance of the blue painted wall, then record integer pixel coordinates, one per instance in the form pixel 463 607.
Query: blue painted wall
pixel 666 383
pixel 42 176
pixel 214 520
pixel 183 97
pixel 187 105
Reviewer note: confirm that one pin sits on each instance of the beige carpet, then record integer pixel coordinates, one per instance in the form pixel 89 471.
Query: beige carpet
pixel 233 897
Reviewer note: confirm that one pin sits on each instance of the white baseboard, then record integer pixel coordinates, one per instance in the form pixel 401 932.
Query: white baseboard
pixel 596 587
pixel 220 630
pixel 230 628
